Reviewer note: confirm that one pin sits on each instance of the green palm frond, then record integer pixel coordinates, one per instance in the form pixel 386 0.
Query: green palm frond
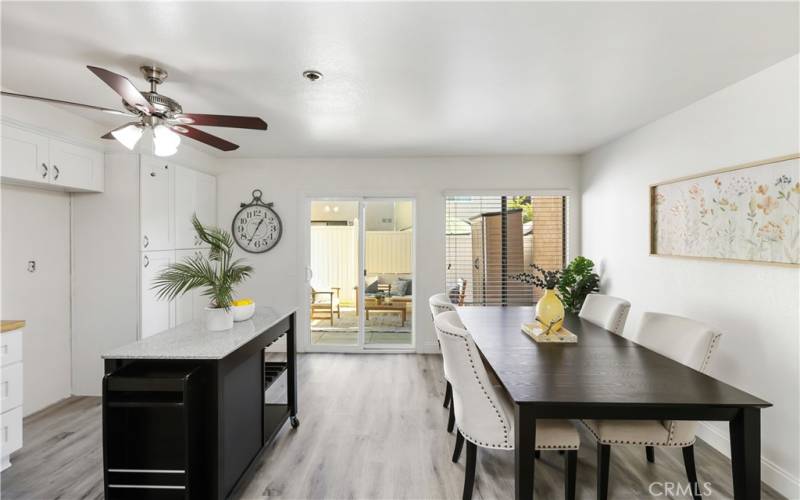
pixel 216 275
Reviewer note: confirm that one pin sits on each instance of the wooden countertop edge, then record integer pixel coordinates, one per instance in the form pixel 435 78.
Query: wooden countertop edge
pixel 9 325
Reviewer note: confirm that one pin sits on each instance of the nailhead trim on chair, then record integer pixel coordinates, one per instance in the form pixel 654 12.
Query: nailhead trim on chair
pixel 621 315
pixel 640 443
pixel 506 444
pixel 706 360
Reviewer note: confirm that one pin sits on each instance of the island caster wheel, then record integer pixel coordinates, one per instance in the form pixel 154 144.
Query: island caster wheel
pixel 295 422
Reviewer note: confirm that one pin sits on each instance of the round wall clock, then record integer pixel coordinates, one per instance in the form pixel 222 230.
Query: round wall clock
pixel 256 227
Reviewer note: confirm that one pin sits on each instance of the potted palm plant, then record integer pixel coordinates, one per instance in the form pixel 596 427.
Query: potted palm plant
pixel 216 275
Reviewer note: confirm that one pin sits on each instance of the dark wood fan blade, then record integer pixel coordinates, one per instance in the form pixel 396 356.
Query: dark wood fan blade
pixel 107 136
pixel 124 88
pixel 252 122
pixel 68 103
pixel 205 138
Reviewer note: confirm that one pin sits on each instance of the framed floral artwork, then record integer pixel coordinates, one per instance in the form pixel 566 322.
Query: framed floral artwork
pixel 748 213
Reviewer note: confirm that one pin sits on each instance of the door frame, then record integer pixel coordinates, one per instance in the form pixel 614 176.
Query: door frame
pixel 304 321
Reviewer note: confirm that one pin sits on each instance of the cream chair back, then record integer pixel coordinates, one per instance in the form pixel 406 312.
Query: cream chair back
pixel 686 341
pixel 481 414
pixel 440 303
pixel 606 312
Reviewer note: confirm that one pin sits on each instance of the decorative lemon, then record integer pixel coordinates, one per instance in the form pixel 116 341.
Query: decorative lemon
pixel 243 302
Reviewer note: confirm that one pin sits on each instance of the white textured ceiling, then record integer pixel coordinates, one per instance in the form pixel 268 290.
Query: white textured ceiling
pixel 410 79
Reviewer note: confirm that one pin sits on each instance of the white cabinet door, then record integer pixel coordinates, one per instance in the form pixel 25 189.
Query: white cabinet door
pixel 156 204
pixel 75 167
pixel 190 306
pixel 25 155
pixel 195 194
pixel 185 182
pixel 10 434
pixel 156 315
pixel 206 200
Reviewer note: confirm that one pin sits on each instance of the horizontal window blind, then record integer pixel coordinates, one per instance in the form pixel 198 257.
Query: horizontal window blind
pixel 489 238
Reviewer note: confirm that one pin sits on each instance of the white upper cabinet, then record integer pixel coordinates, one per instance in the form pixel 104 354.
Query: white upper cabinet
pixel 185 180
pixel 195 193
pixel 206 199
pixel 35 159
pixel 156 204
pixel 25 155
pixel 75 167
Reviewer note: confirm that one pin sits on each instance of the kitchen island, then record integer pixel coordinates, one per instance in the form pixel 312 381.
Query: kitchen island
pixel 187 412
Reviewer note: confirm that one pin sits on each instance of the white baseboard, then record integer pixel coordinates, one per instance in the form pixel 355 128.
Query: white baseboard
pixel 784 483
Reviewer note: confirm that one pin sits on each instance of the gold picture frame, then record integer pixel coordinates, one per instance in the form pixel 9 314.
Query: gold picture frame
pixel 748 218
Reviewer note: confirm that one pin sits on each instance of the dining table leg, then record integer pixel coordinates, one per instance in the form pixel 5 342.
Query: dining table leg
pixel 745 429
pixel 524 448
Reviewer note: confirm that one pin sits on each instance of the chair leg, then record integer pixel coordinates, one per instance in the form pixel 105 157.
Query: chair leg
pixel 451 422
pixel 469 470
pixel 459 445
pixel 651 454
pixel 570 473
pixel 537 454
pixel 448 394
pixel 691 472
pixel 603 463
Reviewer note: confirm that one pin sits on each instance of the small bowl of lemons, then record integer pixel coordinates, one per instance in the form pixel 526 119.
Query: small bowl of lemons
pixel 243 309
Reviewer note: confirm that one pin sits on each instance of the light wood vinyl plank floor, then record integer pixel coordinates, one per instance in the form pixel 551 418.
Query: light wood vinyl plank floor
pixel 371 426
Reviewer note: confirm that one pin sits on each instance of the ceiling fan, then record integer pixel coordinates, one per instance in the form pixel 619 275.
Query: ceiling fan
pixel 158 112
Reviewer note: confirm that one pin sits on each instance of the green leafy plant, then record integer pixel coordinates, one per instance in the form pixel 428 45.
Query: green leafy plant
pixel 577 281
pixel 216 274
pixel 543 278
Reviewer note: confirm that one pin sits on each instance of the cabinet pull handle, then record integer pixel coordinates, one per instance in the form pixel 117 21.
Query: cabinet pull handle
pixel 58 172
pixel 44 173
pixel 146 242
pixel 146 261
pixel 5 389
pixel 5 433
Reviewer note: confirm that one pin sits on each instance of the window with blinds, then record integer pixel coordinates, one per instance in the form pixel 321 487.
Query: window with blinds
pixel 492 237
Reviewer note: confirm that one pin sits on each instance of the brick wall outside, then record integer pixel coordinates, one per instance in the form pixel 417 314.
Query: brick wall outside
pixel 548 233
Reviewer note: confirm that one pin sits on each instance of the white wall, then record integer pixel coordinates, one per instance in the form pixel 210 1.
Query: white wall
pixel 755 306
pixel 35 226
pixel 38 222
pixel 279 276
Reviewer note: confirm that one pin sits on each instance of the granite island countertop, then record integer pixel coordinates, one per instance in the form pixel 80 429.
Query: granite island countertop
pixel 192 341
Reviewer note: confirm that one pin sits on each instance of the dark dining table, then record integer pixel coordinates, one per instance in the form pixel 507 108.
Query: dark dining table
pixel 606 376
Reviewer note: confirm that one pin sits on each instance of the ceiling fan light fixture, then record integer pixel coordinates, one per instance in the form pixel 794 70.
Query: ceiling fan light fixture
pixel 165 141
pixel 129 134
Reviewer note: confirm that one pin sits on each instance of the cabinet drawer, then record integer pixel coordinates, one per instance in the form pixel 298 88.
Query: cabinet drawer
pixel 10 431
pixel 10 347
pixel 10 386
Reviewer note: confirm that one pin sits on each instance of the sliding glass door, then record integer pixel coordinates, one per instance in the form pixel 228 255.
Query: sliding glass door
pixel 361 286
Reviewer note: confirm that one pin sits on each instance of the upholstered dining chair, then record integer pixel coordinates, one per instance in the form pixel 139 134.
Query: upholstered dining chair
pixel 440 303
pixel 605 311
pixel 485 413
pixel 680 339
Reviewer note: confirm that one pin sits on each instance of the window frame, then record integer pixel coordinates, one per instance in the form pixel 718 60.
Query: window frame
pixel 568 220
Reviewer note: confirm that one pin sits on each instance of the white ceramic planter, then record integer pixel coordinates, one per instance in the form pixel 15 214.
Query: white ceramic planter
pixel 218 318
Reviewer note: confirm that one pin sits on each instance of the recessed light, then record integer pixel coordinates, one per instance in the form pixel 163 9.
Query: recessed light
pixel 312 75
